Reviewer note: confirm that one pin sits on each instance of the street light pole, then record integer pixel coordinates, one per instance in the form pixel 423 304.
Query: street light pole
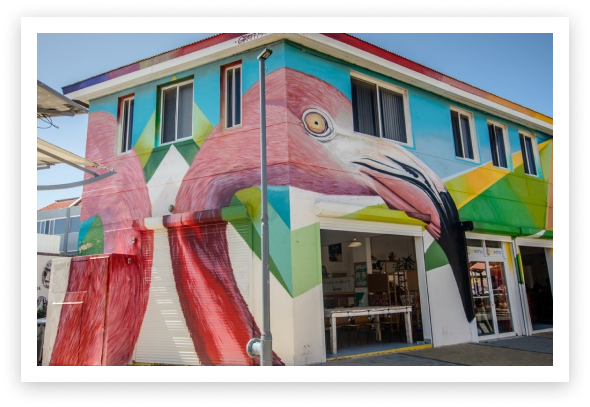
pixel 266 338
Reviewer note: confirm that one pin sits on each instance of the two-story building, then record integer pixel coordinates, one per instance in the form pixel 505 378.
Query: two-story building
pixel 391 186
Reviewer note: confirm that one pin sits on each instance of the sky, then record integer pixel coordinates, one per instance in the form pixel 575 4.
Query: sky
pixel 522 61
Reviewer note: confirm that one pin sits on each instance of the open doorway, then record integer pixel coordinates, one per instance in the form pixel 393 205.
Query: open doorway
pixel 370 281
pixel 538 287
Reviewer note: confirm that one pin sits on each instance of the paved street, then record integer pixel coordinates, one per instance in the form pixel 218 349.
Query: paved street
pixel 536 350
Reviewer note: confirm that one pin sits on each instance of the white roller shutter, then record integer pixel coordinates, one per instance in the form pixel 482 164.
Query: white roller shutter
pixel 239 237
pixel 164 337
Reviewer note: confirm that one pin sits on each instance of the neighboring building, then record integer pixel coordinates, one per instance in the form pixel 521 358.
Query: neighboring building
pixel 364 146
pixel 61 218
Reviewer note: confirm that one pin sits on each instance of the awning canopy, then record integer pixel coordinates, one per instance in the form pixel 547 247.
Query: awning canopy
pixel 48 154
pixel 51 103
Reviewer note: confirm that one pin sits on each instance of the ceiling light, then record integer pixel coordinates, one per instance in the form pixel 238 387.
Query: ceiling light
pixel 354 243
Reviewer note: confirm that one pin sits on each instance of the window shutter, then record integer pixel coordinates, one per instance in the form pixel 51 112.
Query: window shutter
pixel 530 156
pixel 169 116
pixel 466 135
pixel 499 134
pixel 185 111
pixel 229 95
pixel 364 106
pixel 392 111
pixel 456 134
pixel 130 121
pixel 524 157
pixel 493 144
pixel 238 97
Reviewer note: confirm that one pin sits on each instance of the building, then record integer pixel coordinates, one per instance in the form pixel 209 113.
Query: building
pixel 57 235
pixel 61 218
pixel 372 158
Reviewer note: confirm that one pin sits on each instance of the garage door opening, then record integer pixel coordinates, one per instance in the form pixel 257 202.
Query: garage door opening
pixel 538 287
pixel 370 291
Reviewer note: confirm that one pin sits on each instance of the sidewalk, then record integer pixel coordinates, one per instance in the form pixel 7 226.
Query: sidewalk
pixel 536 350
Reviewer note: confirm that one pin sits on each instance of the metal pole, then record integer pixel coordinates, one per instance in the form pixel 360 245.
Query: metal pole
pixel 266 338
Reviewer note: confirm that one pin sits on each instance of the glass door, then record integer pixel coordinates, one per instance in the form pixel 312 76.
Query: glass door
pixel 487 275
pixel 484 315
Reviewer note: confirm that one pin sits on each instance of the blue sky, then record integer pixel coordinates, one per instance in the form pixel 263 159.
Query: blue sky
pixel 518 67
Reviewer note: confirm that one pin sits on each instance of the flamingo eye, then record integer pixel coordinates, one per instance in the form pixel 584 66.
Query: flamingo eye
pixel 315 123
pixel 318 124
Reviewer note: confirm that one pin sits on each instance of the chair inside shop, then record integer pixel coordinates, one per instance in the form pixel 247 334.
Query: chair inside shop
pixel 365 325
pixel 390 324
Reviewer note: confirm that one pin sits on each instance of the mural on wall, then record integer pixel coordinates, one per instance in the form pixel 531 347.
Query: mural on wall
pixel 95 313
pixel 311 146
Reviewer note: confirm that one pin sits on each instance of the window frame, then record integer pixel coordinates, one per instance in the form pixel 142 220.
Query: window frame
pixel 176 84
pixel 121 127
pixel 507 150
pixel 224 90
pixel 474 144
pixel 533 138
pixel 393 88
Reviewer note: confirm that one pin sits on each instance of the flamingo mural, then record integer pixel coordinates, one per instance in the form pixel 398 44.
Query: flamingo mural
pixel 309 128
pixel 311 146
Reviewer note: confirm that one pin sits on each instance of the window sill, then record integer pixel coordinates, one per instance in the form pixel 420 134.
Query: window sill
pixel 179 141
pixel 368 137
pixel 467 160
pixel 501 169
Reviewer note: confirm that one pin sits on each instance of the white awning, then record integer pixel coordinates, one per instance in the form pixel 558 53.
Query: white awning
pixel 48 154
pixel 51 103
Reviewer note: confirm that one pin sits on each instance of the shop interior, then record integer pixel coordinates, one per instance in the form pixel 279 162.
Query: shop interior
pixel 538 287
pixel 348 284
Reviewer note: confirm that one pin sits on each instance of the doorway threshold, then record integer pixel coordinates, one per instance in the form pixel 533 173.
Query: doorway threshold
pixel 357 351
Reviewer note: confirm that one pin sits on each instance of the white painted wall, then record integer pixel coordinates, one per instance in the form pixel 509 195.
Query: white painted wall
pixel 449 325
pixel 60 276
pixel 48 243
pixel 281 313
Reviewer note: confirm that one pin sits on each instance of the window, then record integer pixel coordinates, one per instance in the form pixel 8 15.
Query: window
pixel 176 112
pixel 125 123
pixel 74 224
pixel 233 96
pixel 463 134
pixel 528 154
pixel 498 145
pixel 46 227
pixel 380 110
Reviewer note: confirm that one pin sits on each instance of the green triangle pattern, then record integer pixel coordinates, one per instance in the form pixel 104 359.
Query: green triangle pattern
pixel 154 161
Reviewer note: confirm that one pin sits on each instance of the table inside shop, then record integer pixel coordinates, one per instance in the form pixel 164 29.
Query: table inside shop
pixel 376 311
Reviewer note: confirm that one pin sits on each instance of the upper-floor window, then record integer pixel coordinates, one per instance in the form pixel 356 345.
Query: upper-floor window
pixel 527 147
pixel 58 226
pixel 176 112
pixel 464 134
pixel 233 96
pixel 380 109
pixel 125 123
pixel 498 143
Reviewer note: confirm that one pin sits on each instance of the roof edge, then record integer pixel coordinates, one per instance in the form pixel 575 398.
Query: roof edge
pixel 325 42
